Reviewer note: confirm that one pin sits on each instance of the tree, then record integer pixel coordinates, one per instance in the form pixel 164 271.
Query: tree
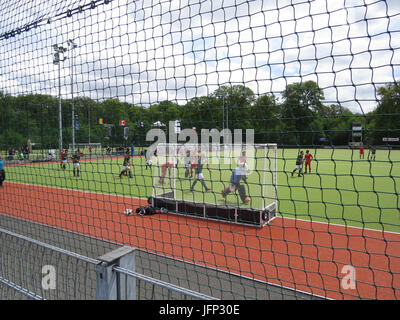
pixel 302 103
pixel 386 117
pixel 265 119
pixel 236 101
pixel 202 113
pixel 336 123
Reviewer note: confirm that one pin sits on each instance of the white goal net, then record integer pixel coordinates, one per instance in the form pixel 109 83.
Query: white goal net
pixel 196 179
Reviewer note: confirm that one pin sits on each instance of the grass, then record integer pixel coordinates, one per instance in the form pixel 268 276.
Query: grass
pixel 343 189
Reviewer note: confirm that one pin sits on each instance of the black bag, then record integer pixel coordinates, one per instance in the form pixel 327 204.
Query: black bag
pixel 149 211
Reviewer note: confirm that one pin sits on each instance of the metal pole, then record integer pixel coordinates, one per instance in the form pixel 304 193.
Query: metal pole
pixel 57 51
pixel 109 285
pixel 41 128
pixel 72 102
pixel 89 121
pixel 227 117
pixel 60 139
pixel 73 46
pixel 223 113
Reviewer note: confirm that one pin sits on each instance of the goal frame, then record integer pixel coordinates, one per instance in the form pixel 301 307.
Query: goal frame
pixel 258 217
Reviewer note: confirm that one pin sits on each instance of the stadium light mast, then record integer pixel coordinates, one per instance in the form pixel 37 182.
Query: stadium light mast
pixel 58 50
pixel 222 97
pixel 72 46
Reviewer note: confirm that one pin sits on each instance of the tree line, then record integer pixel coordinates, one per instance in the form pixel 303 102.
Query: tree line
pixel 299 117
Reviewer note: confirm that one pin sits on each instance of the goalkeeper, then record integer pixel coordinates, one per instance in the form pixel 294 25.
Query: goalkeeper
pixel 239 174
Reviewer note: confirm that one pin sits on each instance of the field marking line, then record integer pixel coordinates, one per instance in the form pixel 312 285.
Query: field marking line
pixel 337 225
pixel 75 190
pixel 145 199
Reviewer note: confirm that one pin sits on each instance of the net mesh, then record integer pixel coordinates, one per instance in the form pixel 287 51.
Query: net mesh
pixel 317 78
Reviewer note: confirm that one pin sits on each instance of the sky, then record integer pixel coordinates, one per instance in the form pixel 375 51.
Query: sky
pixel 147 51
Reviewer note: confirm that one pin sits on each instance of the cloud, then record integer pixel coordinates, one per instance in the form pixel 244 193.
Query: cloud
pixel 146 51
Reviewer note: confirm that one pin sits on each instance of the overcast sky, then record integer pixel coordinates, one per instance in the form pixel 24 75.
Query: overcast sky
pixel 143 51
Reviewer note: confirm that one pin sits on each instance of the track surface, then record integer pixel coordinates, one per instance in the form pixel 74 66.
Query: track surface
pixel 303 255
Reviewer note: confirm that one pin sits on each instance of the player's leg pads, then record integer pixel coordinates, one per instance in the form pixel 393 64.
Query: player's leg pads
pixel 242 191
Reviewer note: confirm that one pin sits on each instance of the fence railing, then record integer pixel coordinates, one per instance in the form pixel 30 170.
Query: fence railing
pixel 114 272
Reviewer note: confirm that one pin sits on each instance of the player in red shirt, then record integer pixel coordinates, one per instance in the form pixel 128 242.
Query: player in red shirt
pixel 361 152
pixel 166 166
pixel 308 156
pixel 64 159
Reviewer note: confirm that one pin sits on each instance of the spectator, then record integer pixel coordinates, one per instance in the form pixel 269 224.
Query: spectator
pixel 21 157
pixel 2 171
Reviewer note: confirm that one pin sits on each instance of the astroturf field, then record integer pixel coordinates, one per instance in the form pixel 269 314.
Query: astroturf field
pixel 342 188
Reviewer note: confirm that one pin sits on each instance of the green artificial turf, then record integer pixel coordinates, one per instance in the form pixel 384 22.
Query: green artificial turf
pixel 342 188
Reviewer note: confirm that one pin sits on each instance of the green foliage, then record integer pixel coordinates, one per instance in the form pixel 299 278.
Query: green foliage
pixel 300 109
pixel 385 119
pixel 341 190
pixel 299 118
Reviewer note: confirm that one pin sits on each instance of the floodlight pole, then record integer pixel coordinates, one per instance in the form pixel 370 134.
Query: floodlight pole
pixel 227 116
pixel 60 138
pixel 73 46
pixel 223 112
pixel 57 60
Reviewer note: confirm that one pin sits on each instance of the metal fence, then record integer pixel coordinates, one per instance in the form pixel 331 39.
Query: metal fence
pixel 69 266
pixel 62 274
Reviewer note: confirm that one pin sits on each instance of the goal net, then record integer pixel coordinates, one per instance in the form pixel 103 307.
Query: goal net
pixel 319 78
pixel 236 183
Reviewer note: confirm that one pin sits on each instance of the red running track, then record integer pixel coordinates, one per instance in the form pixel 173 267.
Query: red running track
pixel 303 255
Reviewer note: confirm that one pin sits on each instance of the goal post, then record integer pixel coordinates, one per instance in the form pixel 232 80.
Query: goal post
pixel 181 187
pixel 270 177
